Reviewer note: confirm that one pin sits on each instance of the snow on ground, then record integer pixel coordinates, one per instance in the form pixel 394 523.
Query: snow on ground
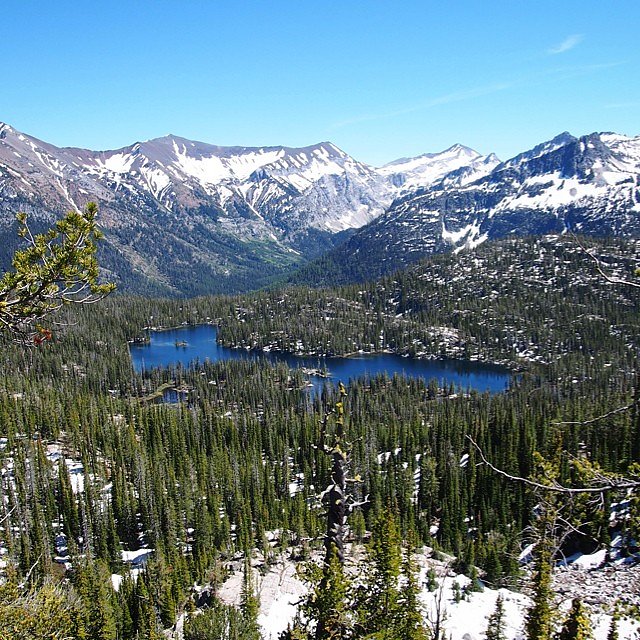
pixel 280 590
pixel 76 475
pixel 136 558
pixel 586 561
pixel 74 467
pixel 135 561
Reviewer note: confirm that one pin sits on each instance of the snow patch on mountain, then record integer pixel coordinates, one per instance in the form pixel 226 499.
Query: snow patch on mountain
pixel 424 170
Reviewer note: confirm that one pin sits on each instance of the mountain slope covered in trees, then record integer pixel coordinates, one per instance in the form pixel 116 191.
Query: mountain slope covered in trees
pixel 95 473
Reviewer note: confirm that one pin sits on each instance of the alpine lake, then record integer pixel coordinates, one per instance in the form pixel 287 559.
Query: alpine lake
pixel 189 345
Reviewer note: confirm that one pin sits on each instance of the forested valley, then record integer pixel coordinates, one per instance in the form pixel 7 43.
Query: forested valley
pixel 96 469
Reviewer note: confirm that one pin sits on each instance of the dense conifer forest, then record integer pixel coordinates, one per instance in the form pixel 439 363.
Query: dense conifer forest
pixel 94 465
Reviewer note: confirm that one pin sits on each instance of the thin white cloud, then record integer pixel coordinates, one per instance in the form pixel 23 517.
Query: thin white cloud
pixel 456 96
pixel 567 44
pixel 531 80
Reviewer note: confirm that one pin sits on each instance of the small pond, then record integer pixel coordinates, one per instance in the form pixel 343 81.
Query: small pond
pixel 185 345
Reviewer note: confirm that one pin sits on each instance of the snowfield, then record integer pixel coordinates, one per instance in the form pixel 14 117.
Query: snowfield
pixel 280 590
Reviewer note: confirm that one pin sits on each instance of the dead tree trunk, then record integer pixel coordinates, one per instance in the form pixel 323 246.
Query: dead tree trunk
pixel 337 491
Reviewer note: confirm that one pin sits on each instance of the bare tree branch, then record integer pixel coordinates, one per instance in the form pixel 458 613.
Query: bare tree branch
pixel 603 416
pixel 606 483
pixel 6 517
pixel 594 258
pixel 33 566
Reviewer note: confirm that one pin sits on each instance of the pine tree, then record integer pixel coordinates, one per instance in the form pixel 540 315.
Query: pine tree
pixel 613 633
pixel 539 622
pixel 218 622
pixel 378 596
pixel 92 580
pixel 326 609
pixel 432 579
pixel 577 626
pixel 409 623
pixel 50 611
pixel 495 626
pixel 249 603
pixel 57 268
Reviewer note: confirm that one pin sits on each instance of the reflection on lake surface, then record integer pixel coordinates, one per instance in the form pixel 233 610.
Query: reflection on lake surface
pixel 186 345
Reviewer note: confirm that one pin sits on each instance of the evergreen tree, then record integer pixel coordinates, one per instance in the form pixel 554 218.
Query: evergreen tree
pixel 57 268
pixel 326 610
pixel 409 624
pixel 577 626
pixel 93 584
pixel 432 579
pixel 495 626
pixel 539 619
pixel 613 633
pixel 218 622
pixel 249 604
pixel 378 596
pixel 46 613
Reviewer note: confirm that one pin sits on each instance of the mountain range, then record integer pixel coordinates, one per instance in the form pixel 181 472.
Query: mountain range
pixel 587 185
pixel 183 217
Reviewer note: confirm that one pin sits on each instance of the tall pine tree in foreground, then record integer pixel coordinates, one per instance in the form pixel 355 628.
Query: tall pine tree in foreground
pixel 326 613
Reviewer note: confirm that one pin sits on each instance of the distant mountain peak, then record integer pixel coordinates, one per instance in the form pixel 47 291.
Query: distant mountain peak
pixel 225 209
pixel 460 148
pixel 587 184
pixel 430 168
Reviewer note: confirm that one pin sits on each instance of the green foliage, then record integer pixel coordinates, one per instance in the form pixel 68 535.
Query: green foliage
pixel 57 267
pixel 613 633
pixel 92 582
pixel 218 622
pixel 577 625
pixel 197 480
pixel 327 610
pixel 496 622
pixel 49 612
pixel 409 619
pixel 378 598
pixel 432 580
pixel 539 622
pixel 250 604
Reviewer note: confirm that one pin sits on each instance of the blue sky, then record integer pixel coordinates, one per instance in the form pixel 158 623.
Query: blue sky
pixel 381 80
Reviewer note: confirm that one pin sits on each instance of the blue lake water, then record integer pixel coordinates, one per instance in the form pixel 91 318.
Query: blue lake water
pixel 201 345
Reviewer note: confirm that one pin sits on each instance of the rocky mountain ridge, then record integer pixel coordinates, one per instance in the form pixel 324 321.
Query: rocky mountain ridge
pixel 588 185
pixel 187 217
pixel 172 207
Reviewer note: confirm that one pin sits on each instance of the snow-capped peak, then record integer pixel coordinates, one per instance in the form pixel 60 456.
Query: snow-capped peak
pixel 429 168
pixel 561 140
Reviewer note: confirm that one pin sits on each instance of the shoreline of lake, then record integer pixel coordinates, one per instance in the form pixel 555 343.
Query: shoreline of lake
pixel 186 344
pixel 513 367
